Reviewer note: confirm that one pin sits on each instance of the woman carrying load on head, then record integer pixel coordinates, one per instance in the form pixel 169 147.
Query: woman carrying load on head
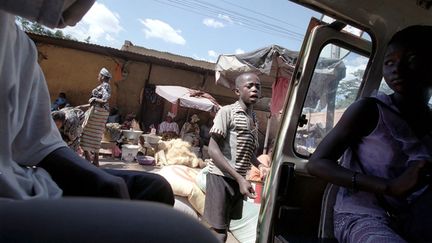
pixel 96 117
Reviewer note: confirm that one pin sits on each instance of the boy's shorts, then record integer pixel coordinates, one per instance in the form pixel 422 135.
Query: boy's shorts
pixel 223 202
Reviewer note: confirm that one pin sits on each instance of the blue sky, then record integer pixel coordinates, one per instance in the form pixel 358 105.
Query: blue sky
pixel 201 29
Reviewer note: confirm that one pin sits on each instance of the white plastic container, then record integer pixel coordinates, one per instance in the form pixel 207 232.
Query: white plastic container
pixel 129 152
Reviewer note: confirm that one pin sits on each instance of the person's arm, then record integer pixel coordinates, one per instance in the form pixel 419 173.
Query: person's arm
pixel 184 129
pixel 263 167
pixel 255 162
pixel 176 128
pixel 197 130
pixel 219 160
pixel 77 177
pixel 161 128
pixel 106 94
pixel 359 120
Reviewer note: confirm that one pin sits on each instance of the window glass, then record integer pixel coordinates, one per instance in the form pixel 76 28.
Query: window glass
pixel 384 87
pixel 334 86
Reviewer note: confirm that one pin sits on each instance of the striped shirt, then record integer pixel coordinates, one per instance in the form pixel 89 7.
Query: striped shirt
pixel 240 138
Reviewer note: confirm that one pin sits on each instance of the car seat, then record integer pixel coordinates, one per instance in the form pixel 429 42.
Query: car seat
pixel 325 230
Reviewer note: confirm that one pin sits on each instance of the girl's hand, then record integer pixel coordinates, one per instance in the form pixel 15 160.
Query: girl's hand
pixel 409 181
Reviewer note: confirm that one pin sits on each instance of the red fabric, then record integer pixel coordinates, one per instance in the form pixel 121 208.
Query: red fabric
pixel 174 108
pixel 258 192
pixel 116 151
pixel 279 91
pixel 198 94
pixel 117 73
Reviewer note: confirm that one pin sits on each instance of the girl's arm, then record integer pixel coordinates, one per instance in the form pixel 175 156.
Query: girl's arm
pixel 359 120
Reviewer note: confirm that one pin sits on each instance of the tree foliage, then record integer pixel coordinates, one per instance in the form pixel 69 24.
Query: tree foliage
pixel 348 89
pixel 37 28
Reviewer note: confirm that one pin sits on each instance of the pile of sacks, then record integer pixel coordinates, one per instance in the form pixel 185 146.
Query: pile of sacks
pixel 177 152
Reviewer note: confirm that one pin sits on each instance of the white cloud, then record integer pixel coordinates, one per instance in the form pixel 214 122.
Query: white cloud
pixel 213 23
pixel 154 28
pixel 109 38
pixel 226 18
pixel 239 51
pixel 99 22
pixel 212 53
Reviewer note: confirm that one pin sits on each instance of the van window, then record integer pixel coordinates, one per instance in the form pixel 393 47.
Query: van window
pixel 384 87
pixel 334 86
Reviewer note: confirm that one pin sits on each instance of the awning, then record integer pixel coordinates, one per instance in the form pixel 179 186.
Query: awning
pixel 189 98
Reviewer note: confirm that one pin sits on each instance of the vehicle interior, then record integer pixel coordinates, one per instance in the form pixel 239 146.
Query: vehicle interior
pixel 339 62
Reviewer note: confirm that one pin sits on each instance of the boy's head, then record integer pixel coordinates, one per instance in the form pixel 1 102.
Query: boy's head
pixel 248 88
pixel 62 95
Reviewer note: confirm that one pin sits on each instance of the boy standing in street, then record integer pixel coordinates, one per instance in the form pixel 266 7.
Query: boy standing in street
pixel 234 138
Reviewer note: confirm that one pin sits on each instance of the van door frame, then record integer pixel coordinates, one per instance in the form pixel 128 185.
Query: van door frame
pixel 284 155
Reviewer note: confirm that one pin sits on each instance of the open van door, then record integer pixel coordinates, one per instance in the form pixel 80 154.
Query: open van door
pixel 328 77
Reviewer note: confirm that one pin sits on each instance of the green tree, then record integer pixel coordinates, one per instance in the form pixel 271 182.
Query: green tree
pixel 348 89
pixel 34 27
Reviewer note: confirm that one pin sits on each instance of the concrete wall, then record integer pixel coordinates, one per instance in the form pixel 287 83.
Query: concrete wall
pixel 73 72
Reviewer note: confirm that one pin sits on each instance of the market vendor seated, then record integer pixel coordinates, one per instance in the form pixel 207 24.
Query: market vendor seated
pixel 60 102
pixel 190 131
pixel 130 122
pixel 168 129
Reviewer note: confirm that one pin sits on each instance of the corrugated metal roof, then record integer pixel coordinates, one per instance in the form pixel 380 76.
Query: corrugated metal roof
pixel 130 52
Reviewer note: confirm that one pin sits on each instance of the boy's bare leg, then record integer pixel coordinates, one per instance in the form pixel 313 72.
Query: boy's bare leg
pixel 221 234
pixel 87 156
pixel 96 159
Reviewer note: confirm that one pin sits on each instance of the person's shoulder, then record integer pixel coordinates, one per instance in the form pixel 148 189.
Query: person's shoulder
pixel 361 116
pixel 227 107
pixel 364 105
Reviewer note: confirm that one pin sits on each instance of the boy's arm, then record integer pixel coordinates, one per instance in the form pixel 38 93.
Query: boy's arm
pixel 219 160
pixel 255 162
pixel 264 169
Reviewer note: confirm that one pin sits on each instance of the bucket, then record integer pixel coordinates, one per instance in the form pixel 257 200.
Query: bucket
pixel 129 152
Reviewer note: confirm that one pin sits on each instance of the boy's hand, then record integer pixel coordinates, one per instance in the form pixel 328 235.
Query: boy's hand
pixel 246 188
